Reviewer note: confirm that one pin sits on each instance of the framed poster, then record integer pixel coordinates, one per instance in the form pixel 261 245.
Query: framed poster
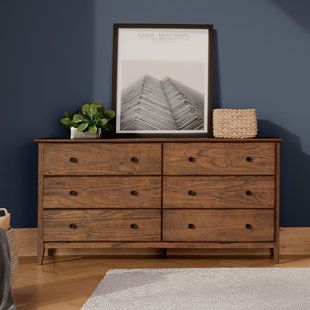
pixel 162 78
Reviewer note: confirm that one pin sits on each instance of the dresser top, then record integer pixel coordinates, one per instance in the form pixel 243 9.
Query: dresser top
pixel 153 139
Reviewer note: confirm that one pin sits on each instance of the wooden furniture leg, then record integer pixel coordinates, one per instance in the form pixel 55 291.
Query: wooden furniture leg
pixel 41 252
pixel 275 251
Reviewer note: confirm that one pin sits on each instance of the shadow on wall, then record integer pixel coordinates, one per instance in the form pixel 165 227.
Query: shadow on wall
pixel 297 9
pixel 295 176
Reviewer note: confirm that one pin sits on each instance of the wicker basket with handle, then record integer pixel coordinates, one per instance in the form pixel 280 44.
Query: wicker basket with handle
pixel 234 123
pixel 10 235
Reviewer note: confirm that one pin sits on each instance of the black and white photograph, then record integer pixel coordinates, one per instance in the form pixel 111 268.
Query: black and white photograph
pixel 162 79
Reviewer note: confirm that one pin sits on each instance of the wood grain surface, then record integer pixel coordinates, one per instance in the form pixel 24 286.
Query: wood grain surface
pixel 102 225
pixel 218 225
pixel 218 192
pixel 102 159
pixel 66 282
pixel 219 158
pixel 109 193
pixel 293 241
pixel 157 139
pixel 159 245
pixel 102 192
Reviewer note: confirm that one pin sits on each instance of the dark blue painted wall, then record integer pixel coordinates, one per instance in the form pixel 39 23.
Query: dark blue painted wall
pixel 56 54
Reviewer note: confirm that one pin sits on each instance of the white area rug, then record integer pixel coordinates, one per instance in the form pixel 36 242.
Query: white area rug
pixel 203 289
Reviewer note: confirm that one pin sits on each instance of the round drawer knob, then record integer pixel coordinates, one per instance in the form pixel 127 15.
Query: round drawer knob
pixel 73 160
pixel 134 193
pixel 191 226
pixel 134 226
pixel 191 193
pixel 73 193
pixel 248 226
pixel 134 159
pixel 73 226
pixel 191 159
pixel 249 159
pixel 249 193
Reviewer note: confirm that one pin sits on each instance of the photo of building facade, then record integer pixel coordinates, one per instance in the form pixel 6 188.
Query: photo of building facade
pixel 150 104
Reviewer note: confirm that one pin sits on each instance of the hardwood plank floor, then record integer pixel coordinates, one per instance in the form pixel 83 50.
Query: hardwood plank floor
pixel 65 283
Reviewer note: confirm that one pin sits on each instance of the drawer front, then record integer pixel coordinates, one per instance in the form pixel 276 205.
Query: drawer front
pixel 102 225
pixel 219 158
pixel 218 192
pixel 218 225
pixel 102 192
pixel 102 159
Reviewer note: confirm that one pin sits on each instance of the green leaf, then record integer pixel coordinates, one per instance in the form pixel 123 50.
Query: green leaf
pixel 78 118
pixel 92 130
pixel 68 115
pixel 109 114
pixel 93 109
pixel 85 109
pixel 98 105
pixel 107 128
pixel 100 114
pixel 66 121
pixel 82 127
pixel 102 122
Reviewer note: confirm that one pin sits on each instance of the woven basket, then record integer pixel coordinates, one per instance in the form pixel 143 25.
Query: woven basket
pixel 234 123
pixel 10 235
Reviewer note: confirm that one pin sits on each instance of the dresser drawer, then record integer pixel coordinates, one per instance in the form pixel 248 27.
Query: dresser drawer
pixel 219 158
pixel 218 225
pixel 218 192
pixel 102 159
pixel 102 225
pixel 102 192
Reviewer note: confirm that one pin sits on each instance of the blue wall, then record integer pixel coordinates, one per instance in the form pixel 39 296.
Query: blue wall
pixel 56 54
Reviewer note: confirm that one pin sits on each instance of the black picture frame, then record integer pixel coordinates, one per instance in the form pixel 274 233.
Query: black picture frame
pixel 207 132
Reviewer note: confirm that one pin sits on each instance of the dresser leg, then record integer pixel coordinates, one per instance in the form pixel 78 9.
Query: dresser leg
pixel 51 252
pixel 275 251
pixel 164 253
pixel 41 251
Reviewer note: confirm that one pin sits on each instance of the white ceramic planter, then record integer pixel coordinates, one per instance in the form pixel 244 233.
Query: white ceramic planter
pixel 75 134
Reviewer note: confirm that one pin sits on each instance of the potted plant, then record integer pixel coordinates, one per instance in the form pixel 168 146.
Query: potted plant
pixel 89 122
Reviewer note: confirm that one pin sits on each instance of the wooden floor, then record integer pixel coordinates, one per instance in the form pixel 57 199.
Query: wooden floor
pixel 67 282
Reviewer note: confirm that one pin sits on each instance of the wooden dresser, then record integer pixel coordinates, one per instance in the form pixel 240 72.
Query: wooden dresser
pixel 158 193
